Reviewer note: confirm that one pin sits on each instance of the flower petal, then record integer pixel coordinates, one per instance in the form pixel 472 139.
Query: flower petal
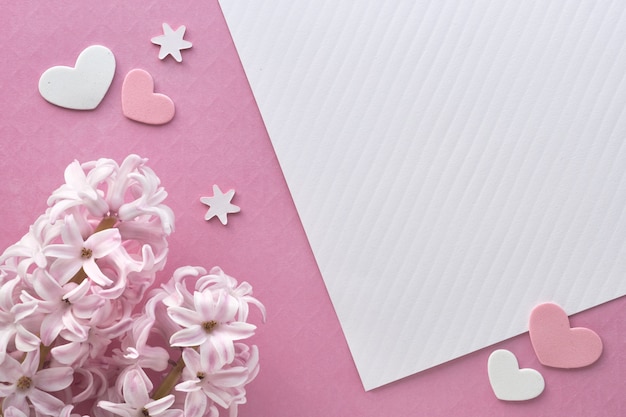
pixel 51 326
pixel 135 390
pixel 184 316
pixel 123 410
pixel 31 363
pixel 62 251
pixel 233 377
pixel 54 379
pixel 158 406
pixel 188 386
pixel 14 412
pixel 193 336
pixel 192 360
pixel 64 269
pixel 45 402
pixel 95 274
pixel 104 242
pixel 11 370
pixel 18 401
pixel 195 404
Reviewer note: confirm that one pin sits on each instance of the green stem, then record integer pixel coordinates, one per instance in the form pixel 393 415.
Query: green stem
pixel 170 380
pixel 43 354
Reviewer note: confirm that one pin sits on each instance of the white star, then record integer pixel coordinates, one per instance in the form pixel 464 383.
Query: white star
pixel 219 204
pixel 171 42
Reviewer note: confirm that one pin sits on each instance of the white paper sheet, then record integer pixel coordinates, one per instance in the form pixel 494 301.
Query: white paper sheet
pixel 454 163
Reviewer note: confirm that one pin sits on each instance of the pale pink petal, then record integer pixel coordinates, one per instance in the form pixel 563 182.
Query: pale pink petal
pixel 31 363
pixel 69 353
pixel 204 305
pixel 6 335
pixel 22 311
pixel 46 286
pixel 226 308
pixel 54 379
pixel 195 404
pixel 51 326
pixel 73 326
pixel 188 386
pixel 11 370
pixel 78 292
pixel 172 413
pixel 5 389
pixel 71 233
pixel 232 377
pixel 116 191
pixel 155 358
pixel 123 410
pixel 75 176
pixel 62 251
pixel 85 307
pixel 158 406
pixel 87 381
pixel 193 336
pixel 224 349
pixel 18 401
pixel 64 269
pixel 135 390
pixel 25 341
pixel 184 316
pixel 192 360
pixel 6 294
pixel 14 412
pixel 103 242
pixel 95 274
pixel 45 402
pixel 236 330
pixel 218 396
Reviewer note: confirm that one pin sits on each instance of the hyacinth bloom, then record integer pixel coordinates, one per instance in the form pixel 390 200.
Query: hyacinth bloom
pixel 241 292
pixel 11 316
pixel 72 333
pixel 67 307
pixel 80 189
pixel 210 323
pixel 203 383
pixel 137 401
pixel 76 253
pixel 20 382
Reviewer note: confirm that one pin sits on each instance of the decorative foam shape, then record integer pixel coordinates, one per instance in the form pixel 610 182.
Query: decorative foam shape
pixel 141 103
pixel 83 86
pixel 557 344
pixel 171 42
pixel 509 383
pixel 220 205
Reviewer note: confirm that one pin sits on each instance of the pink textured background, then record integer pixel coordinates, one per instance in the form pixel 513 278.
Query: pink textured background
pixel 218 137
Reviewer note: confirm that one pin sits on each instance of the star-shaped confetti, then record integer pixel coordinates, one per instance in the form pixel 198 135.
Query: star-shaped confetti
pixel 171 42
pixel 220 205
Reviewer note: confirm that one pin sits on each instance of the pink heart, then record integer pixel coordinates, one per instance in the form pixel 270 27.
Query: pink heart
pixel 557 344
pixel 141 103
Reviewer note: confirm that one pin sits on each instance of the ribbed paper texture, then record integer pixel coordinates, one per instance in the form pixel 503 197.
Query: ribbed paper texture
pixel 454 163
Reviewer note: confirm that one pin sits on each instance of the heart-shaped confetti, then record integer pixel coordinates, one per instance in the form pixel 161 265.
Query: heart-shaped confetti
pixel 83 86
pixel 557 344
pixel 509 382
pixel 141 103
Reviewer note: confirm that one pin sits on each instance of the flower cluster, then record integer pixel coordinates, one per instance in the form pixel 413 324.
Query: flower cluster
pixel 82 328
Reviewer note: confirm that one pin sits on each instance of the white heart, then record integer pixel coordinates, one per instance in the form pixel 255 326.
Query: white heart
pixel 510 383
pixel 82 87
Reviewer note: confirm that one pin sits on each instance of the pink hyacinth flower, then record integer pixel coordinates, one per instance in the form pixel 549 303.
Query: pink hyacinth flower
pixel 211 322
pixel 22 382
pixel 76 253
pixel 137 401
